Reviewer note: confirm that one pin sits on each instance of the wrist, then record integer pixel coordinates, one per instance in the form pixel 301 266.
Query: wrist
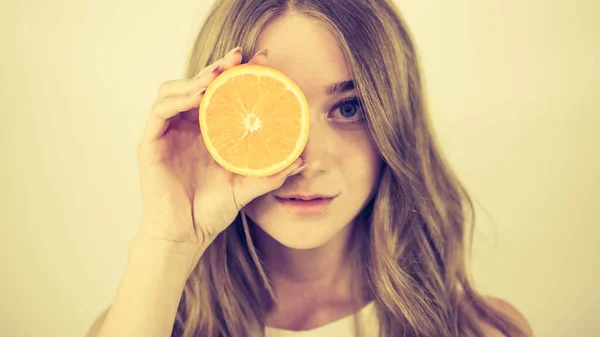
pixel 175 259
pixel 150 290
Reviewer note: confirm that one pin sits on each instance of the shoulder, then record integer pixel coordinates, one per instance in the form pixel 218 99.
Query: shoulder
pixel 508 310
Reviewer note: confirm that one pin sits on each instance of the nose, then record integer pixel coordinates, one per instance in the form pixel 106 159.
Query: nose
pixel 317 154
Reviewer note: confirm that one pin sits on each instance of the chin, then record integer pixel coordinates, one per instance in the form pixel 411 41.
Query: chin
pixel 301 240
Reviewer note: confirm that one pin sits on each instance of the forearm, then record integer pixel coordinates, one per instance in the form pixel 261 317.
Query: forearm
pixel 150 290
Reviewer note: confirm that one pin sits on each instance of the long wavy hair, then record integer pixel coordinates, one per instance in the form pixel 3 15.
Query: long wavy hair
pixel 417 229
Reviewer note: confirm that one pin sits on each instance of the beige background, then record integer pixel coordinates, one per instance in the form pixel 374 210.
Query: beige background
pixel 513 86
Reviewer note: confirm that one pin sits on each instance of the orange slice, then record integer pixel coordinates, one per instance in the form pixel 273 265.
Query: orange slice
pixel 254 120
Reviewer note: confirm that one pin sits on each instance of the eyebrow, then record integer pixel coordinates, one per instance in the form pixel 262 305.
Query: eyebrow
pixel 339 87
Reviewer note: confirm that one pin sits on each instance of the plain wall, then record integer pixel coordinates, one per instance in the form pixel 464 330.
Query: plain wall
pixel 513 89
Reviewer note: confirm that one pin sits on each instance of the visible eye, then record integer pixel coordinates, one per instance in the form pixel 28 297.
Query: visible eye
pixel 349 111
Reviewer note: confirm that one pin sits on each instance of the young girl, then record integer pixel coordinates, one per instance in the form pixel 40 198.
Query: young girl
pixel 219 254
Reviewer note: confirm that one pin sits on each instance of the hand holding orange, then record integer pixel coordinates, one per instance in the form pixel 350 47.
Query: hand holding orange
pixel 254 122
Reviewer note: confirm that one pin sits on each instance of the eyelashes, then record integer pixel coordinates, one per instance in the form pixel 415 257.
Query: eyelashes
pixel 344 115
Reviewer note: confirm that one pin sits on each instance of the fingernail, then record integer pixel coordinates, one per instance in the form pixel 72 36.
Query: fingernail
pixel 263 51
pixel 233 51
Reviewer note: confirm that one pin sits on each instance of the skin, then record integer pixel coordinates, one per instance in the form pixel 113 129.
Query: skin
pixel 308 254
pixel 302 256
pixel 307 257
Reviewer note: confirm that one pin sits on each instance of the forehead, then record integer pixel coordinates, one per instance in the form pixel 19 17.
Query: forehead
pixel 304 50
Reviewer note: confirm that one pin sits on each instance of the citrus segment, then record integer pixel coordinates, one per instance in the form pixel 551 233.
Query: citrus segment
pixel 254 120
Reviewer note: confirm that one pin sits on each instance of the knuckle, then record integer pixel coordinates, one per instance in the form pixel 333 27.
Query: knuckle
pixel 155 107
pixel 163 87
pixel 160 107
pixel 202 73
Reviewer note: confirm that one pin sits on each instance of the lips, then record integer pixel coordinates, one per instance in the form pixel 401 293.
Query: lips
pixel 305 205
pixel 300 199
pixel 305 197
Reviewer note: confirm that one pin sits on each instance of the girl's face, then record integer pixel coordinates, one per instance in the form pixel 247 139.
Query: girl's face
pixel 342 161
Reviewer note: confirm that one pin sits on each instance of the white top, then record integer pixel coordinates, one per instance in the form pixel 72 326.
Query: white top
pixel 343 327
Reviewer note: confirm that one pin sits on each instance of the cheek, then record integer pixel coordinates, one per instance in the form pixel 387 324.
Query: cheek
pixel 359 160
pixel 352 167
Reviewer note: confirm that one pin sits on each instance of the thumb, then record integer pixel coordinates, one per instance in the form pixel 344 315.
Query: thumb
pixel 250 188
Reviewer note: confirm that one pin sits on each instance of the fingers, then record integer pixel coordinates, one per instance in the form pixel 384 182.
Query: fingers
pixel 166 108
pixel 190 86
pixel 179 96
pixel 260 58
pixel 249 188
pixel 182 97
pixel 162 111
pixel 185 86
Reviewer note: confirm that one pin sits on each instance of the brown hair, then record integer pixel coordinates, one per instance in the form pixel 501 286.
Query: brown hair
pixel 418 225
